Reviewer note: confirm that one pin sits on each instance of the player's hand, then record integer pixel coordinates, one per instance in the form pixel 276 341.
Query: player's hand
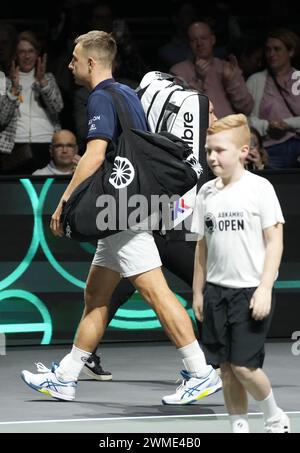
pixel 55 223
pixel 198 306
pixel 260 303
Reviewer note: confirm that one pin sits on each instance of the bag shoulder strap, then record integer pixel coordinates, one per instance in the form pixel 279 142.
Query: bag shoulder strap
pixel 121 107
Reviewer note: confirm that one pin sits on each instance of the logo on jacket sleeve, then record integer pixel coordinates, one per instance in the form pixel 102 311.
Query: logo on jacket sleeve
pixel 122 173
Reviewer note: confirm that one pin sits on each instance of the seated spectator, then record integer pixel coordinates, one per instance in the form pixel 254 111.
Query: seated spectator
pixel 28 110
pixel 220 80
pixel 276 112
pixel 257 158
pixel 63 153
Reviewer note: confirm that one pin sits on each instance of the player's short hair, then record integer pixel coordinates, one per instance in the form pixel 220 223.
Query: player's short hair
pixel 101 44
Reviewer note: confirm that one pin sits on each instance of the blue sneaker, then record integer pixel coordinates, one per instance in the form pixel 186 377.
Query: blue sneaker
pixel 193 389
pixel 49 384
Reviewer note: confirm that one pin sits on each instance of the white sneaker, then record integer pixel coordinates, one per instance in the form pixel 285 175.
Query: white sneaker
pixel 278 424
pixel 193 389
pixel 50 384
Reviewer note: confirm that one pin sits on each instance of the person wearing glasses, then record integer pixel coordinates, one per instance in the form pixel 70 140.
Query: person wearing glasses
pixel 63 153
pixel 29 109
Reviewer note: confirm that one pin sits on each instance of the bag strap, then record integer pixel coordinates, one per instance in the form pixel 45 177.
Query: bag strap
pixel 280 89
pixel 122 108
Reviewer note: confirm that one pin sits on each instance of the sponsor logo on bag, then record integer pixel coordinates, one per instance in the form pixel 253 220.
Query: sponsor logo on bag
pixel 188 129
pixel 122 173
pixel 193 162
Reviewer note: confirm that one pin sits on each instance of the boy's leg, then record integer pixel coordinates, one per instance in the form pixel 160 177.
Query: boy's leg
pixel 258 385
pixel 61 382
pixel 247 356
pixel 236 400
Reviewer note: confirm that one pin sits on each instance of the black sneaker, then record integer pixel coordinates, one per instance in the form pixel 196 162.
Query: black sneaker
pixel 94 369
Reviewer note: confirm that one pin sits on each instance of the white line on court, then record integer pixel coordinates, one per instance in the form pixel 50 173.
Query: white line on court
pixel 111 419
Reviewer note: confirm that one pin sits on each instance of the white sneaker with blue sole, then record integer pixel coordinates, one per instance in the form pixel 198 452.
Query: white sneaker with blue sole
pixel 193 389
pixel 50 384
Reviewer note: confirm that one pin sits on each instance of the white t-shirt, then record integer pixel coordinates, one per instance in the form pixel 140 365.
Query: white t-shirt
pixel 232 221
pixel 50 169
pixel 33 125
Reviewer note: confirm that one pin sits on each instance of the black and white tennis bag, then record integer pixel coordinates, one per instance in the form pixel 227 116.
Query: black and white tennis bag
pixel 170 107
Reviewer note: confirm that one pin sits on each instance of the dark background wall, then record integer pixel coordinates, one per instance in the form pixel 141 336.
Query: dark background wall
pixel 42 277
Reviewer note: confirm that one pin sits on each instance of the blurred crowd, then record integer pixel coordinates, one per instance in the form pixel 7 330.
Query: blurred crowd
pixel 243 68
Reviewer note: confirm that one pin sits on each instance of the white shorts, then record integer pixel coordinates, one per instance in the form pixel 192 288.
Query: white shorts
pixel 128 252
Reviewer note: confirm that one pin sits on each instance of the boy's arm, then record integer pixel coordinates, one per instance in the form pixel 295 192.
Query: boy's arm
pixel 90 162
pixel 261 301
pixel 199 278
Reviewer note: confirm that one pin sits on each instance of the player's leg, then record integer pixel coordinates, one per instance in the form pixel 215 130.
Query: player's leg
pixel 62 380
pixel 199 378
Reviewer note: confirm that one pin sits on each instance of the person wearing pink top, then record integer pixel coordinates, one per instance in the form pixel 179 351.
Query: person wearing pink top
pixel 222 81
pixel 276 112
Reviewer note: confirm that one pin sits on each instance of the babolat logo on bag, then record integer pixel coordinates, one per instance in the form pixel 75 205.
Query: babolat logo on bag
pixel 122 173
pixel 193 162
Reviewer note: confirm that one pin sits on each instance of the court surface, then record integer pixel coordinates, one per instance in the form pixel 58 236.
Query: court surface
pixel 131 402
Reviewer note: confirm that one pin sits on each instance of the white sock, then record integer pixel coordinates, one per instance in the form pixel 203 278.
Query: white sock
pixel 194 360
pixel 72 364
pixel 239 424
pixel 269 407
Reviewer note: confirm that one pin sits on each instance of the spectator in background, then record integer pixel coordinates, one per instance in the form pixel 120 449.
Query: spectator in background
pixel 276 111
pixel 8 36
pixel 29 110
pixel 63 153
pixel 220 80
pixel 257 158
pixel 249 54
pixel 226 26
pixel 177 48
pixel 129 66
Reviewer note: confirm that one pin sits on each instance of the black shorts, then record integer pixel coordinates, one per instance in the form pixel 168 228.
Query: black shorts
pixel 229 333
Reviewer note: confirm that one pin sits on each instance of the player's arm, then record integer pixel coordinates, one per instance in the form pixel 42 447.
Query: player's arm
pixel 90 162
pixel 261 301
pixel 199 278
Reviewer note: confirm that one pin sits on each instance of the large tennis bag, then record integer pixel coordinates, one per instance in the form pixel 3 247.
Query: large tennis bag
pixel 170 106
pixel 142 166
